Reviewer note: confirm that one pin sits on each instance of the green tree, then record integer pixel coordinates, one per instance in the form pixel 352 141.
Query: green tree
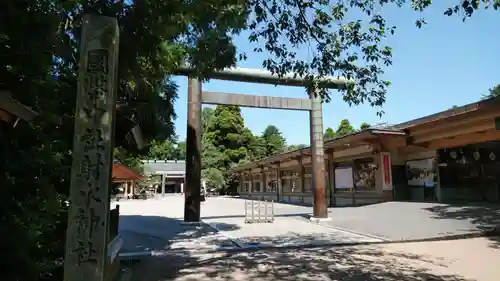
pixel 214 179
pixel 126 158
pixel 344 128
pixel 257 147
pixel 167 150
pixel 329 133
pixel 273 140
pixel 295 147
pixel 181 146
pixel 227 131
pixel 212 162
pixel 40 70
pixel 492 93
pixel 364 126
pixel 212 157
pixel 207 115
pixel 226 142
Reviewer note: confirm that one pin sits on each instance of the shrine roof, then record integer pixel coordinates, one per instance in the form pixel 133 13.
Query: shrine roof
pixel 164 166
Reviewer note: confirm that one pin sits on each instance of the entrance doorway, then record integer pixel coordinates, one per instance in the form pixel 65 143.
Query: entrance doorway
pixel 471 173
pixel 402 191
pixel 422 179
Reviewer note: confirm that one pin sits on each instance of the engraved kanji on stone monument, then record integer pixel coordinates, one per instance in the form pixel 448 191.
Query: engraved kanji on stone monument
pixel 87 234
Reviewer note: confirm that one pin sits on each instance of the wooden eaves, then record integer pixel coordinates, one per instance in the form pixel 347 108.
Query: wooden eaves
pixel 474 122
pixel 341 142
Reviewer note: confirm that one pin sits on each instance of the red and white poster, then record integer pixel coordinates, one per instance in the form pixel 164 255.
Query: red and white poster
pixel 386 170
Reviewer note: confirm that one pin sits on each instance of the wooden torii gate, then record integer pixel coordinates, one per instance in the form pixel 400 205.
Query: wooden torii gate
pixel 87 251
pixel 313 104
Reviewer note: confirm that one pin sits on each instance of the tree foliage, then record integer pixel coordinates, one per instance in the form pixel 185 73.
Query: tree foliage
pixel 129 159
pixel 295 147
pixel 40 71
pixel 329 133
pixel 273 140
pixel 493 92
pixel 345 128
pixel 226 142
pixel 167 150
pixel 207 115
pixel 364 126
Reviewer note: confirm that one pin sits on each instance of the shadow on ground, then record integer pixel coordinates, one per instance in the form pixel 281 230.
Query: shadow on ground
pixel 485 217
pixel 342 263
pixel 146 233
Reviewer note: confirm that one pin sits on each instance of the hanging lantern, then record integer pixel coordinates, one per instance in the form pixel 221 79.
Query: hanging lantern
pixel 453 154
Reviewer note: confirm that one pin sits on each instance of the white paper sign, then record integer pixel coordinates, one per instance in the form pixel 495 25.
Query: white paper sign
pixel 343 178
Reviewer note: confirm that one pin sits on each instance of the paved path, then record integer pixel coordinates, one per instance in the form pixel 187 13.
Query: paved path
pixel 393 221
pixel 193 252
pixel 151 227
pixel 458 260
pixel 290 228
pixel 155 224
pixel 155 227
pixel 408 221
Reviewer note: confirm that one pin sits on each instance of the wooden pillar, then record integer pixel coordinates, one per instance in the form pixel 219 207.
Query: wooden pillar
pixel 353 190
pixel 250 186
pixel 163 182
pixel 328 192
pixel 301 176
pixel 331 178
pixel 87 234
pixel 317 158
pixel 279 190
pixel 192 193
pixel 263 183
pixel 242 183
pixel 125 189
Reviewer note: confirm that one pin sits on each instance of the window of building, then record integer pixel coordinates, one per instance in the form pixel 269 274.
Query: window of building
pixel 295 185
pixel 308 184
pixel 271 182
pixel 256 186
pixel 421 172
pixel 286 185
pixel 308 170
pixel 290 181
pixel 272 186
pixel 307 179
pixel 246 186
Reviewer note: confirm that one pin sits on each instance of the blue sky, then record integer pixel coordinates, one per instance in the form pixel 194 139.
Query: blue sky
pixel 446 63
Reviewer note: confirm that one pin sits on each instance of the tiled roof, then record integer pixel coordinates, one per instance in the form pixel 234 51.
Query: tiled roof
pixel 122 172
pixel 164 166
